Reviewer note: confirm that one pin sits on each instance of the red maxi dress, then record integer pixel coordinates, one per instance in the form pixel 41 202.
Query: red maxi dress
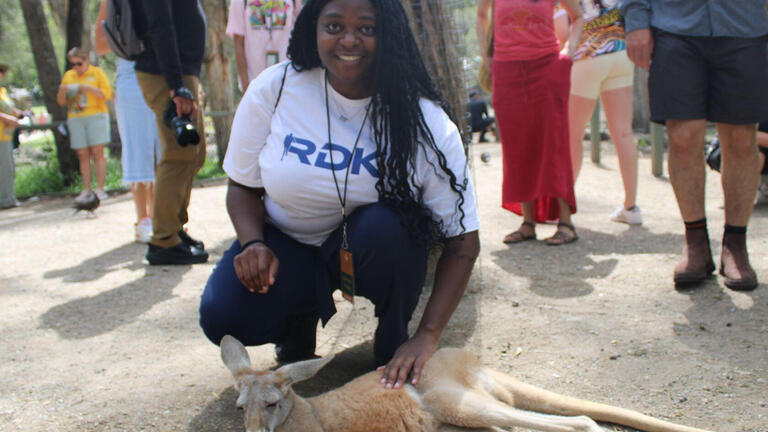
pixel 531 86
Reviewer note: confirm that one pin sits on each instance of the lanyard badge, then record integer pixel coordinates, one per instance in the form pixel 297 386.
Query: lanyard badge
pixel 347 262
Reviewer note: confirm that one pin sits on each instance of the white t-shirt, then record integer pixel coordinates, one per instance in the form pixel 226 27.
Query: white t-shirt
pixel 286 154
pixel 266 26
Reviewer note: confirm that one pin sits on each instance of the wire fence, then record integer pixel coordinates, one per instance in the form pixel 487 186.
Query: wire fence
pixel 441 42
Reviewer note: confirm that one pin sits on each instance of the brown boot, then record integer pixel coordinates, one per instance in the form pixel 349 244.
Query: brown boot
pixel 696 264
pixel 734 260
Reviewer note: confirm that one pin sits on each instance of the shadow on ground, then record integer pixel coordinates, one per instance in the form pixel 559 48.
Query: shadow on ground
pixel 129 255
pixel 730 326
pixel 87 317
pixel 571 266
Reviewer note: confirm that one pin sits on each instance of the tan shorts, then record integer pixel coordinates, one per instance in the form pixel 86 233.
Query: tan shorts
pixel 592 76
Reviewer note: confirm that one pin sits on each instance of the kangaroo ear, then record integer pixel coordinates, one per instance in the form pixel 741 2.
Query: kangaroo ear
pixel 234 355
pixel 303 370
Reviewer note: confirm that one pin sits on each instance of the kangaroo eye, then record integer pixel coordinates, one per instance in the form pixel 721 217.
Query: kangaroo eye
pixel 270 406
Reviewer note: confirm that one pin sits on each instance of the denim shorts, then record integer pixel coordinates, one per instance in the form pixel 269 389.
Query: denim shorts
pixel 89 131
pixel 720 79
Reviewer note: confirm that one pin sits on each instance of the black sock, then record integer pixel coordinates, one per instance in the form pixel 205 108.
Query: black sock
pixel 731 229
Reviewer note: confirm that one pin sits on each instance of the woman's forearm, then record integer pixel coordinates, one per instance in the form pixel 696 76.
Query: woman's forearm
pixel 483 7
pixel 61 96
pixel 241 62
pixel 577 27
pixel 246 211
pixel 451 277
pixel 573 7
pixel 99 93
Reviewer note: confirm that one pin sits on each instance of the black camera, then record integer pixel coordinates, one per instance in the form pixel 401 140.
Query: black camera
pixel 182 127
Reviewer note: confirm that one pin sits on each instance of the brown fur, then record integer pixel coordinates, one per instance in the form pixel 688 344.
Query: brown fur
pixel 456 392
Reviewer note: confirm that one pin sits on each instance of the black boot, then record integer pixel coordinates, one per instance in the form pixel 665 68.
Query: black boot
pixel 734 260
pixel 299 339
pixel 696 264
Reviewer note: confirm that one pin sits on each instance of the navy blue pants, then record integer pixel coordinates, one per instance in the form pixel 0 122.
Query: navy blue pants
pixel 390 268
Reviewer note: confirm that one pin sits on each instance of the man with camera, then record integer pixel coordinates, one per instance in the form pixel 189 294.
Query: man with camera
pixel 168 71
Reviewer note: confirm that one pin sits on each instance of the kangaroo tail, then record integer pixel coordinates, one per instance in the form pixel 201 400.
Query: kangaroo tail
pixel 532 398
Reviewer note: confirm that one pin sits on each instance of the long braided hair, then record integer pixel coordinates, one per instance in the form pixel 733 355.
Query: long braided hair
pixel 401 80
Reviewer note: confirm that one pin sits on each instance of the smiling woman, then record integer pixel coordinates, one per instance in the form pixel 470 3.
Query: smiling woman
pixel 345 155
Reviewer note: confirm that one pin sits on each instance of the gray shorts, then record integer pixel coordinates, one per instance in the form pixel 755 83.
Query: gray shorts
pixel 89 131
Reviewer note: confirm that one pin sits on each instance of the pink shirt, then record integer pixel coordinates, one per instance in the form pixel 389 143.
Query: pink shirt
pixel 266 26
pixel 524 29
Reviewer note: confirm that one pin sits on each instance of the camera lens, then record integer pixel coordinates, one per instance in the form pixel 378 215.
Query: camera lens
pixel 182 127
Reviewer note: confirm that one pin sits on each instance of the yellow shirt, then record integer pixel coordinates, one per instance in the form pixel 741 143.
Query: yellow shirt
pixel 81 104
pixel 6 107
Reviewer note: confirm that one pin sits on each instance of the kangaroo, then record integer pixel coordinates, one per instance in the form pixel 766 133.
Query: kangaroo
pixel 455 393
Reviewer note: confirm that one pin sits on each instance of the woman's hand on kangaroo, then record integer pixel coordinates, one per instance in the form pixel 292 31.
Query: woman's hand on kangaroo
pixel 409 358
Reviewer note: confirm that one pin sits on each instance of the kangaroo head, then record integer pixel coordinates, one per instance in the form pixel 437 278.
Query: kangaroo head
pixel 265 396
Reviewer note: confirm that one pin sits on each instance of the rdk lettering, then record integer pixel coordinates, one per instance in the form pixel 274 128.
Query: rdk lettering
pixel 306 151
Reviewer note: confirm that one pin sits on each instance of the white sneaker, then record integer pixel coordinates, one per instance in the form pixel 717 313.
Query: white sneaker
pixel 143 230
pixel 85 196
pixel 762 195
pixel 630 217
pixel 101 194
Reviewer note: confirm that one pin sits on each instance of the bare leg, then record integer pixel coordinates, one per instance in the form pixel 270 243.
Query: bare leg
pixel 528 212
pixel 150 198
pixel 565 211
pixel 740 177
pixel 686 166
pixel 762 141
pixel 687 175
pixel 84 157
pixel 617 104
pixel 580 110
pixel 527 230
pixel 142 199
pixel 565 233
pixel 99 164
pixel 740 171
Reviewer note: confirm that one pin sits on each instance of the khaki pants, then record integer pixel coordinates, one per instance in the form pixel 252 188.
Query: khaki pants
pixel 178 165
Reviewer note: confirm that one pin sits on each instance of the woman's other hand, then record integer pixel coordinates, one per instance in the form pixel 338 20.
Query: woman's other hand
pixel 410 357
pixel 256 267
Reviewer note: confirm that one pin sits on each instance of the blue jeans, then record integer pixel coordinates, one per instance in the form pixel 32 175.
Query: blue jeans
pixel 390 268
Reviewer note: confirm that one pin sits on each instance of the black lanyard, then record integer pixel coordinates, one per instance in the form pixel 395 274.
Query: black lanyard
pixel 342 197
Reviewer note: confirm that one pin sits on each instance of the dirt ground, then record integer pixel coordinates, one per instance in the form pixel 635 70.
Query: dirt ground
pixel 93 339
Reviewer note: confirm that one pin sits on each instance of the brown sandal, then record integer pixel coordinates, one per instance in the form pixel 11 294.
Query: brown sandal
pixel 518 236
pixel 561 237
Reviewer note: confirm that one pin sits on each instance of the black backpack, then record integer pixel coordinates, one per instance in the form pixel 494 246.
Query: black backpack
pixel 120 30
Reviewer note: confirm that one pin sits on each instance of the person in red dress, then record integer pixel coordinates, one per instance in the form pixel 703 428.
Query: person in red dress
pixel 531 85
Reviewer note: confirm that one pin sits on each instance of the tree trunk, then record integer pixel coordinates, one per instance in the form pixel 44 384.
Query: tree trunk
pixel 74 25
pixel 50 78
pixel 58 10
pixel 641 119
pixel 219 78
pixel 434 27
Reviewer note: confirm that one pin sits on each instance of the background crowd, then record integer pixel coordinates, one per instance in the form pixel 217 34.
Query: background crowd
pixel 706 62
